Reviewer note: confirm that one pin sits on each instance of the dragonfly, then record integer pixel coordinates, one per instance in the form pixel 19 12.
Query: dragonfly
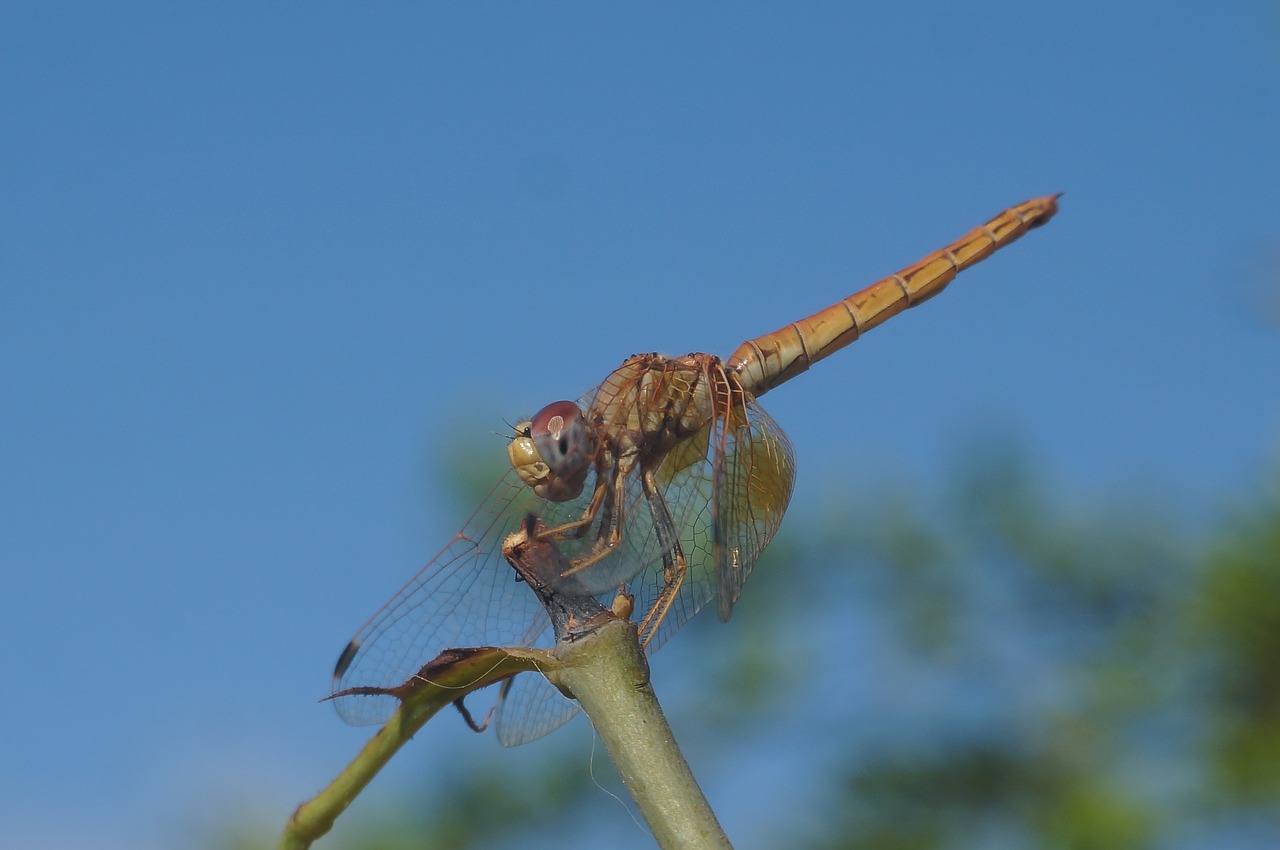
pixel 666 482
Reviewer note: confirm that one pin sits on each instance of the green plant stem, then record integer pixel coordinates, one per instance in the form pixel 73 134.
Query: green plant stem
pixel 421 700
pixel 607 673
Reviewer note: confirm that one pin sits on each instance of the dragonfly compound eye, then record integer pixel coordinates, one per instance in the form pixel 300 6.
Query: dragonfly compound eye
pixel 563 443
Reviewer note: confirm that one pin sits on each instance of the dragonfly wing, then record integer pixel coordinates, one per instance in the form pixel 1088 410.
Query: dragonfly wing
pixel 726 488
pixel 754 471
pixel 465 596
pixel 685 481
pixel 529 708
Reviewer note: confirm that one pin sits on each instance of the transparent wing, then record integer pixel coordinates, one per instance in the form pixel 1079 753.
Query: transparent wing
pixel 530 708
pixel 755 472
pixel 467 595
pixel 727 488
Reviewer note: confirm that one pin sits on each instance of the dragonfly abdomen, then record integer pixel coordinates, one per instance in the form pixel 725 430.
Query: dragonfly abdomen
pixel 767 361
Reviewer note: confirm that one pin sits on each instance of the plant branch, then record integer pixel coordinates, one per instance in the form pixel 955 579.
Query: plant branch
pixel 607 673
pixel 603 667
pixel 447 679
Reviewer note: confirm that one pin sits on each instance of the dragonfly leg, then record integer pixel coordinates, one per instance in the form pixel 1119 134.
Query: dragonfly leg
pixel 578 525
pixel 674 564
pixel 466 713
pixel 610 527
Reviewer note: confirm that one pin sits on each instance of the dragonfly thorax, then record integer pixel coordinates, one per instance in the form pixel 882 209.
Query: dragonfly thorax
pixel 651 403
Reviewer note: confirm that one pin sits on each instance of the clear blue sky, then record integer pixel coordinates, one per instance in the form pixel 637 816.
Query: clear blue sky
pixel 260 268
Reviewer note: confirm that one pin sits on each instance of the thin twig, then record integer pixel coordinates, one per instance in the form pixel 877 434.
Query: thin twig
pixel 436 687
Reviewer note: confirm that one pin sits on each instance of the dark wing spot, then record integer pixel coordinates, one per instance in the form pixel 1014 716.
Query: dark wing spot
pixel 345 659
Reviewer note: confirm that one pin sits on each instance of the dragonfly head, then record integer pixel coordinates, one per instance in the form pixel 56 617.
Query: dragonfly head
pixel 552 452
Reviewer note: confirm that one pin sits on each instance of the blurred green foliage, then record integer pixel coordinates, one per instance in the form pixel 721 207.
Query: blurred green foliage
pixel 1058 674
pixel 1235 619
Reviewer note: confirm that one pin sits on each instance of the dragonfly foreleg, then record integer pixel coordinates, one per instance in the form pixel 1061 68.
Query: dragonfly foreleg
pixel 611 525
pixel 579 525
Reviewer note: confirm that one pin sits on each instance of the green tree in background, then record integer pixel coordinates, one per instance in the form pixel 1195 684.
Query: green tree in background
pixel 989 666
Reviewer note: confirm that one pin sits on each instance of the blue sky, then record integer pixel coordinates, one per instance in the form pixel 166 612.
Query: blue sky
pixel 260 269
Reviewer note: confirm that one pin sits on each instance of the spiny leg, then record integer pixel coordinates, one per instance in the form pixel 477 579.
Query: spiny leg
pixel 582 522
pixel 674 565
pixel 611 528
